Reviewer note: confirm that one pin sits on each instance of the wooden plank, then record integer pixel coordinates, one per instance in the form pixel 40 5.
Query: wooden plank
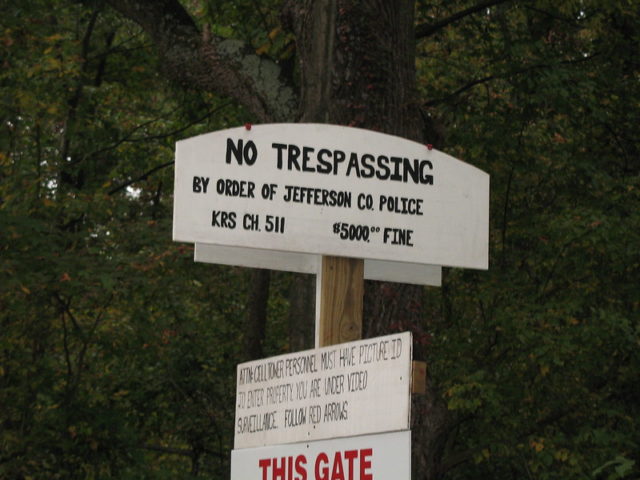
pixel 341 300
pixel 383 270
pixel 402 272
pixel 418 377
pixel 354 388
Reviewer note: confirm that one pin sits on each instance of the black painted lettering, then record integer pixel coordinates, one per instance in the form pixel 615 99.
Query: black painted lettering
pixel 200 184
pixel 269 190
pixel 235 150
pixel 354 164
pixel 398 236
pixel 383 171
pixel 251 222
pixel 242 152
pixel 306 151
pixel 401 205
pixel 292 158
pixel 365 201
pixel 411 169
pixel 222 219
pixel 426 178
pixel 235 188
pixel 357 381
pixel 279 147
pixel 338 157
pixel 396 175
pixel 274 224
pixel 250 153
pixel 324 165
pixel 322 160
pixel 367 166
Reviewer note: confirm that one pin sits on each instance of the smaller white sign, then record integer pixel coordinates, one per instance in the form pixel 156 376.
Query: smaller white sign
pixel 354 388
pixel 383 270
pixel 385 456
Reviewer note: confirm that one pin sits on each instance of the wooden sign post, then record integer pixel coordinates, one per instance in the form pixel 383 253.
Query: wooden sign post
pixel 339 298
pixel 346 204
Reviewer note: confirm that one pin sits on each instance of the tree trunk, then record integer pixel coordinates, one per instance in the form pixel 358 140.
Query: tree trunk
pixel 356 63
pixel 256 319
pixel 357 69
pixel 301 312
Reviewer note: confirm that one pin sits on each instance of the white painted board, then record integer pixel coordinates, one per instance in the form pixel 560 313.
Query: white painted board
pixel 384 456
pixel 257 258
pixel 383 270
pixel 331 190
pixel 354 388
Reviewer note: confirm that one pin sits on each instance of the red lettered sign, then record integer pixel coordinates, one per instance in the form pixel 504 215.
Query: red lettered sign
pixel 370 457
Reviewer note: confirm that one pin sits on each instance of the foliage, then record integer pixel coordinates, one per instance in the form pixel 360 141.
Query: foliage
pixel 97 331
pixel 539 358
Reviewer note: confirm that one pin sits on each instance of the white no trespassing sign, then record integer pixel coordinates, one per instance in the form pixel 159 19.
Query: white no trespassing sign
pixel 385 456
pixel 354 388
pixel 331 190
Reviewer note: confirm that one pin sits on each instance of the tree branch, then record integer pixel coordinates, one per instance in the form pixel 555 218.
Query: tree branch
pixel 178 451
pixel 203 61
pixel 74 100
pixel 128 138
pixel 172 451
pixel 460 90
pixel 520 71
pixel 428 29
pixel 141 177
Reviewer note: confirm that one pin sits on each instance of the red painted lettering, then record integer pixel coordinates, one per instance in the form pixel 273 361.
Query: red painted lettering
pixel 365 464
pixel 301 462
pixel 337 473
pixel 322 473
pixel 279 472
pixel 350 455
pixel 264 465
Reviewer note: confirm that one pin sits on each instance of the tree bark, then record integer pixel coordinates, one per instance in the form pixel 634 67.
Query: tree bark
pixel 301 312
pixel 357 68
pixel 256 320
pixel 199 60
